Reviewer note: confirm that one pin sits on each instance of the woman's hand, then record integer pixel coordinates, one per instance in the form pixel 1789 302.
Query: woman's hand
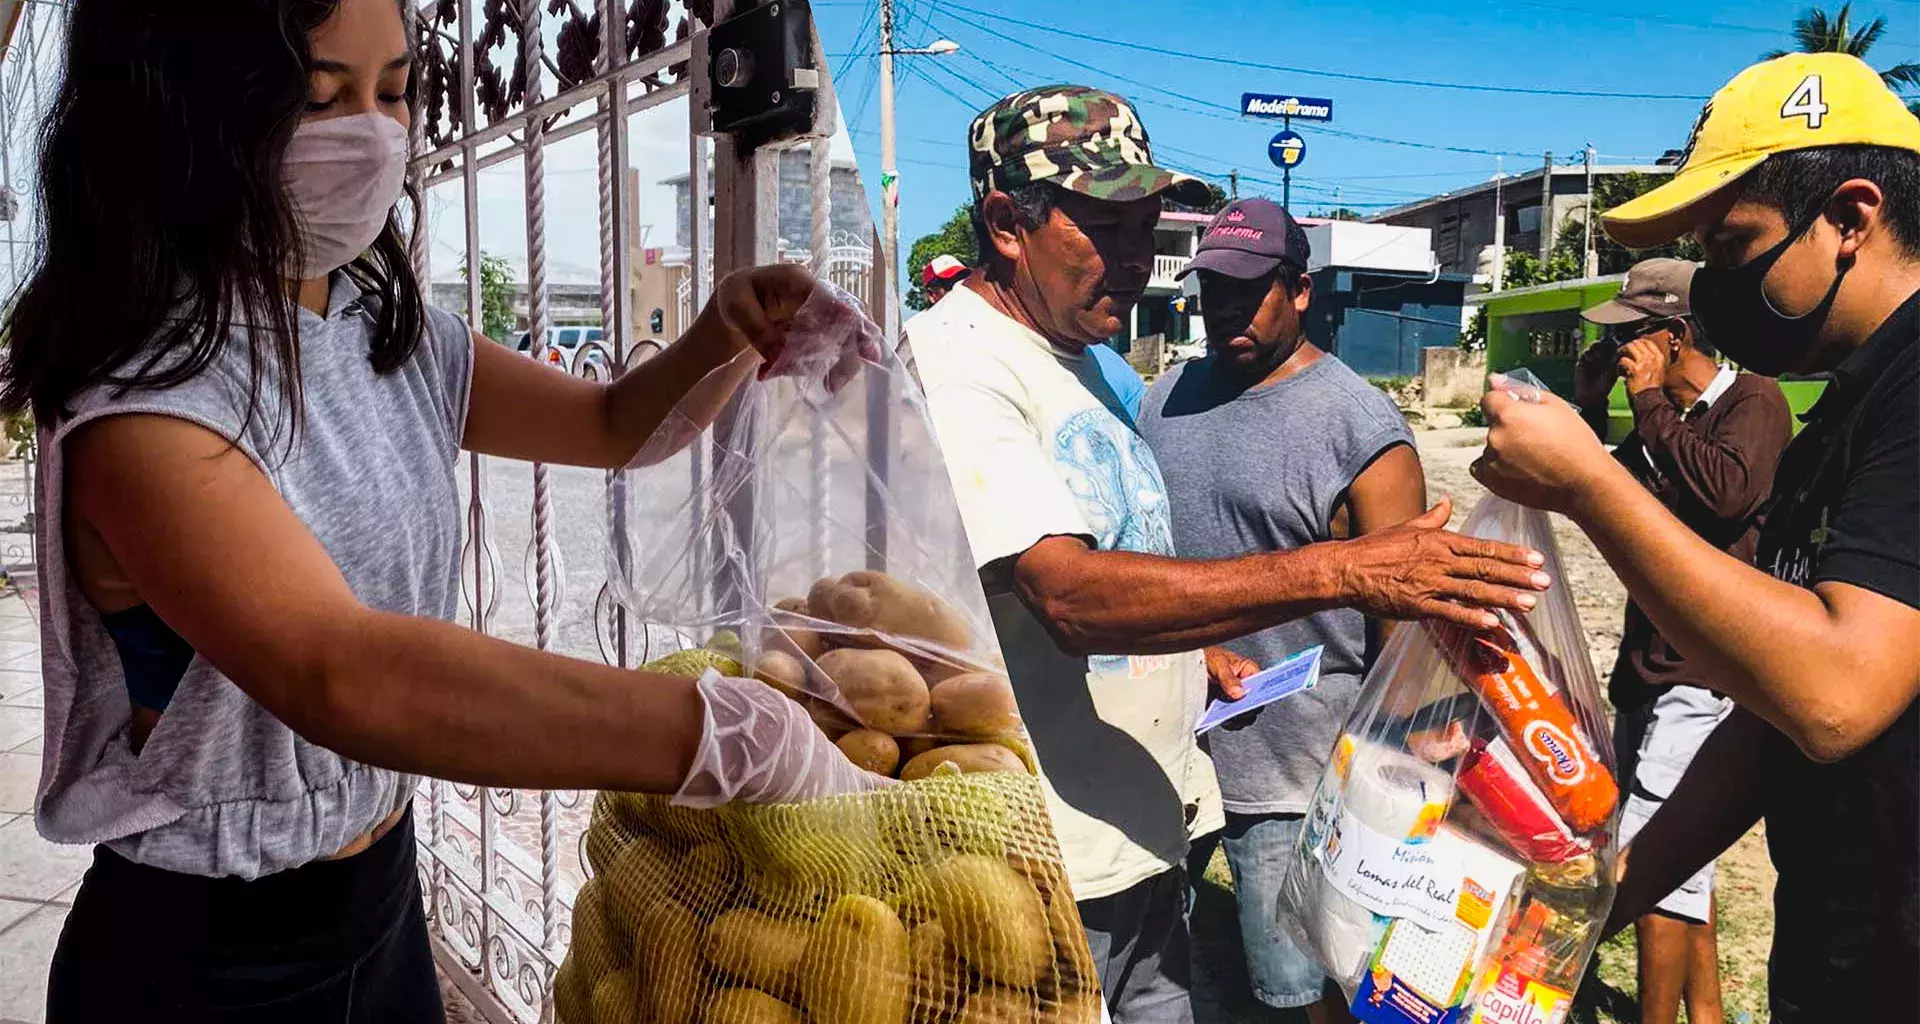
pixel 1228 672
pixel 800 325
pixel 758 747
pixel 1540 453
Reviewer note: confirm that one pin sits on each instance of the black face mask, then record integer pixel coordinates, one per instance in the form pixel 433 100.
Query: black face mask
pixel 1732 307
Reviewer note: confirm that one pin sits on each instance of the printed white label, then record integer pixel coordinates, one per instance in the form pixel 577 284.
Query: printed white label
pixel 1391 878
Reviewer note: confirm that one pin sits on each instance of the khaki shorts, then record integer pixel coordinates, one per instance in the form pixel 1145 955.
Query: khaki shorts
pixel 1654 746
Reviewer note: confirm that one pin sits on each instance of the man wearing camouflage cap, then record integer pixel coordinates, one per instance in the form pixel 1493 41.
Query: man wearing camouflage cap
pixel 1067 516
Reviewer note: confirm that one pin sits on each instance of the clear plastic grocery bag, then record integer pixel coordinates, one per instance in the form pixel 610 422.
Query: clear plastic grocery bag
pixel 1457 862
pixel 811 540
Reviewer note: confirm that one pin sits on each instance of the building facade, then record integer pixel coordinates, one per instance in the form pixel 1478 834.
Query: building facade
pixel 849 214
pixel 1462 221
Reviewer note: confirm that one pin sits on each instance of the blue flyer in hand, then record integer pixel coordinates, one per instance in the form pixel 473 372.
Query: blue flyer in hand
pixel 1299 672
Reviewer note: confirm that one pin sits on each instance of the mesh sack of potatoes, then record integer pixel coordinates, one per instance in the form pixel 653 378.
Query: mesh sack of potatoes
pixel 941 900
pixel 809 539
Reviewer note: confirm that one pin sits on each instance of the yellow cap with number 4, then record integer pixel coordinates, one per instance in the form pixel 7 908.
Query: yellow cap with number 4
pixel 1799 101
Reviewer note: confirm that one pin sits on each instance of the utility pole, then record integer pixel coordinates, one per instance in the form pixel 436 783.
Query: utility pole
pixel 1589 255
pixel 1499 223
pixel 1286 174
pixel 1546 206
pixel 889 173
pixel 1233 183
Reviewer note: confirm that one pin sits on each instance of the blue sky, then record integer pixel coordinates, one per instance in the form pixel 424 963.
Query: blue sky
pixel 1687 48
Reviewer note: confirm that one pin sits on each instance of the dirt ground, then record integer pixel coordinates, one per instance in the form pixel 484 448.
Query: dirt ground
pixel 1745 888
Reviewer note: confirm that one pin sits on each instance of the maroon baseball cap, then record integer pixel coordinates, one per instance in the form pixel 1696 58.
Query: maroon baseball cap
pixel 1248 239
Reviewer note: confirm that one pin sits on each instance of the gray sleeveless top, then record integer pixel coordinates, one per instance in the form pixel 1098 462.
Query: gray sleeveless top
pixel 222 787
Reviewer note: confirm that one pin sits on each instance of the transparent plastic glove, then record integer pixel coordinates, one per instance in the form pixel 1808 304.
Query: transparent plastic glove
pixel 828 339
pixel 758 747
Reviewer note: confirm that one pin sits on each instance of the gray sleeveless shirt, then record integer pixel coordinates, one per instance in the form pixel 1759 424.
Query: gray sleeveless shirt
pixel 222 787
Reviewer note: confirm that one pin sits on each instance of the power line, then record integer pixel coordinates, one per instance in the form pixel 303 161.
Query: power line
pixel 1320 72
pixel 1208 108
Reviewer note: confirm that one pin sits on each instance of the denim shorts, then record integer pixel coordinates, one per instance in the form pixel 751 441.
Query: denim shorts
pixel 1258 848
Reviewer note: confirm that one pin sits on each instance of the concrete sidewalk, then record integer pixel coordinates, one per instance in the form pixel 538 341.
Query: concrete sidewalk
pixel 37 878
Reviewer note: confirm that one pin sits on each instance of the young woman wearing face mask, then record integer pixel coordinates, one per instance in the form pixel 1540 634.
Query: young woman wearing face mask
pixel 250 426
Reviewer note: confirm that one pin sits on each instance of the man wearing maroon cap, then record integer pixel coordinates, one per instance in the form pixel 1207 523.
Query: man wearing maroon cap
pixel 1269 444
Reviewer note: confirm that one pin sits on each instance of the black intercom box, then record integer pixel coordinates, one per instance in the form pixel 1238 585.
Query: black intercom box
pixel 762 71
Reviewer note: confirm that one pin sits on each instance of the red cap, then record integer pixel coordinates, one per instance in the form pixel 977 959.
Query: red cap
pixel 942 268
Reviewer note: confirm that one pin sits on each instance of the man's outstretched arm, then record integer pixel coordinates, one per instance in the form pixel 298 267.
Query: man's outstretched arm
pixel 1113 602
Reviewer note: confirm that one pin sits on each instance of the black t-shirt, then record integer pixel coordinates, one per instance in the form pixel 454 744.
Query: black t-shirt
pixel 1846 836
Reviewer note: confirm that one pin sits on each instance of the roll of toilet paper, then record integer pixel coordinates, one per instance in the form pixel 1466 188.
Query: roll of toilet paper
pixel 1398 799
pixel 1396 794
pixel 1344 934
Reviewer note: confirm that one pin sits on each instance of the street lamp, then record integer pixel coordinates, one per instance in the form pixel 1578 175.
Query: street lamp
pixel 889 173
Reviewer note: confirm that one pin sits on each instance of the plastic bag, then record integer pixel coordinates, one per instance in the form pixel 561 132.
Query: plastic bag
pixel 811 540
pixel 1457 862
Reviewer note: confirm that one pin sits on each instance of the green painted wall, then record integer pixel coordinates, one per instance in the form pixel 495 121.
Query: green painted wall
pixel 1509 346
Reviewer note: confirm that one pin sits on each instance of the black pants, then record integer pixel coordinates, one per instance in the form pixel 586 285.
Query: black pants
pixel 334 942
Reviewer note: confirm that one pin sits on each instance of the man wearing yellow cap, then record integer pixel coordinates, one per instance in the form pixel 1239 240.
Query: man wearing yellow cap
pixel 1802 184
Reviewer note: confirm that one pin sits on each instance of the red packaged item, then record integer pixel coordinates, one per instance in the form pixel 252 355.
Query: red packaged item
pixel 1532 718
pixel 1497 784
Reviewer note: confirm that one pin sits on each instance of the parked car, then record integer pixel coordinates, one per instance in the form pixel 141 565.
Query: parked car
pixel 568 338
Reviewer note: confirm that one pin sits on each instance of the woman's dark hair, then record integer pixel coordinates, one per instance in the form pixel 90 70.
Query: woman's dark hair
pixel 163 224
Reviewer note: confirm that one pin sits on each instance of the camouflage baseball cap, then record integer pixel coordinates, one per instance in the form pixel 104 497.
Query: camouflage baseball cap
pixel 1078 138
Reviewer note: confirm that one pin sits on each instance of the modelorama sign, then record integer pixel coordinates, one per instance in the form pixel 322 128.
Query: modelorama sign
pixel 1306 108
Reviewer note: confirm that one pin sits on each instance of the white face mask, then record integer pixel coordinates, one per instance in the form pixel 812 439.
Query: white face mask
pixel 343 176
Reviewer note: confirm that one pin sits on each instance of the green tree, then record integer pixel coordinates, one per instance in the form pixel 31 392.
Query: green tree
pixel 1609 191
pixel 496 297
pixel 1337 213
pixel 1816 31
pixel 1524 268
pixel 955 239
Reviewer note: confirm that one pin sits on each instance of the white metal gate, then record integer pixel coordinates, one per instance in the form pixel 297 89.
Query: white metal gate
pixel 504 82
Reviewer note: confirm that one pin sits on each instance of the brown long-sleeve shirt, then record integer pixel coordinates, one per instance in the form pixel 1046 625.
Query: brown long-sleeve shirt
pixel 1711 466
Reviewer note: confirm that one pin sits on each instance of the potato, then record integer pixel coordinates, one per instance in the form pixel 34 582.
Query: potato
pixel 783 672
pixel 831 720
pixel 939 979
pixel 872 750
pixel 936 672
pixel 968 757
pixel 1074 1006
pixel 603 847
pixel 1048 876
pixel 913 746
pixel 978 704
pixel 993 917
pixel 876 601
pixel 639 876
pixel 855 970
pixel 654 816
pixel 995 1005
pixel 572 994
pixel 666 959
pixel 805 641
pixel 615 1000
pixel 709 874
pixel 754 948
pixel 880 688
pixel 746 1006
pixel 597 945
pixel 1070 946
